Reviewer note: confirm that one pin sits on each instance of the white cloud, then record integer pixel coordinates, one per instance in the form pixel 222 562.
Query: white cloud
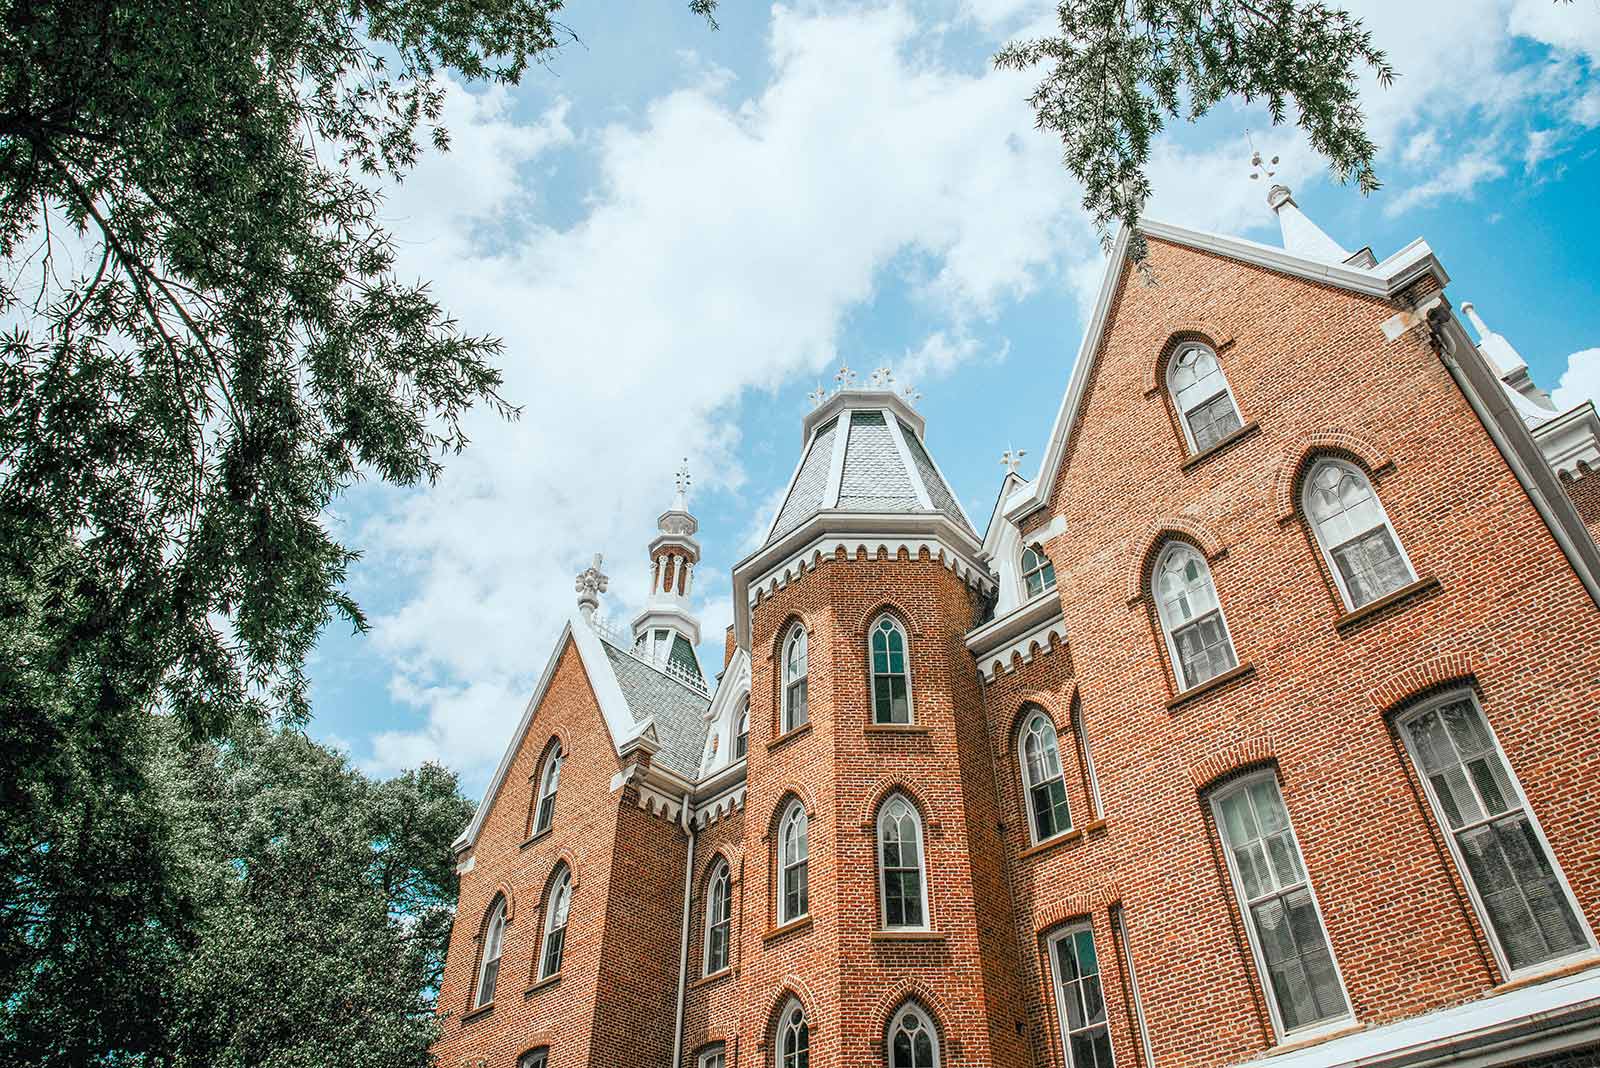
pixel 1580 381
pixel 1458 179
pixel 724 245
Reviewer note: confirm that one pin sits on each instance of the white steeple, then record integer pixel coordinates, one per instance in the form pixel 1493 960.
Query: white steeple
pixel 1300 235
pixel 668 630
pixel 1505 360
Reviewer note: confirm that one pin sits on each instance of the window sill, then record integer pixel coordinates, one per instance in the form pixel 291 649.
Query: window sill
pixel 1588 959
pixel 1062 839
pixel 897 728
pixel 784 739
pixel 1248 430
pixel 783 930
pixel 715 977
pixel 1367 611
pixel 478 1013
pixel 538 837
pixel 1338 1029
pixel 1194 693
pixel 543 984
pixel 907 936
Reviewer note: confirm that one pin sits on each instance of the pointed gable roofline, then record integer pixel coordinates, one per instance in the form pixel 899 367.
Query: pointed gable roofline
pixel 626 734
pixel 1385 280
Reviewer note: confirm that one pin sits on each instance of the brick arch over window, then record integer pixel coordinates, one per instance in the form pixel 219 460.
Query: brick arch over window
pixel 781 635
pixel 502 890
pixel 547 872
pixel 729 853
pixel 1136 578
pixel 793 791
pixel 1420 680
pixel 791 986
pixel 1207 333
pixel 912 991
pixel 1101 895
pixel 1301 453
pixel 885 788
pixel 1053 704
pixel 888 607
pixel 1243 755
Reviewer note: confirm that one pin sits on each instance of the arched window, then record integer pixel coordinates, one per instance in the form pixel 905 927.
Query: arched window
pixel 741 731
pixel 902 886
pixel 549 782
pixel 793 853
pixel 1042 779
pixel 535 1058
pixel 1191 617
pixel 717 919
pixel 913 1042
pixel 794 1036
pixel 715 1057
pixel 794 680
pixel 556 907
pixel 891 687
pixel 1038 573
pixel 1355 534
pixel 494 935
pixel 1201 395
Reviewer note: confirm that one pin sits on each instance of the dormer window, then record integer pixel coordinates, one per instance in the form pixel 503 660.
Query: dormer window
pixel 1038 573
pixel 1201 395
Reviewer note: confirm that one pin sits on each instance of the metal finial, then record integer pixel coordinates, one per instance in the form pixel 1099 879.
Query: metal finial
pixel 817 396
pixel 912 394
pixel 844 377
pixel 681 478
pixel 882 378
pixel 590 585
pixel 1011 458
pixel 1257 167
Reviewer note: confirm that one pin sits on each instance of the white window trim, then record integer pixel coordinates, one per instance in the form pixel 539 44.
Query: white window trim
pixel 786 723
pixel 912 1008
pixel 1177 406
pixel 719 871
pixel 1023 594
pixel 1263 977
pixel 872 678
pixel 922 866
pixel 552 762
pixel 795 807
pixel 1027 787
pixel 1091 780
pixel 1167 627
pixel 1443 825
pixel 1316 528
pixel 1059 935
pixel 564 877
pixel 497 916
pixel 741 718
pixel 789 1006
pixel 708 1057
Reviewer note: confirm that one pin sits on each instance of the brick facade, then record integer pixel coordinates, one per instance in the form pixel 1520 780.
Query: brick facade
pixel 1498 610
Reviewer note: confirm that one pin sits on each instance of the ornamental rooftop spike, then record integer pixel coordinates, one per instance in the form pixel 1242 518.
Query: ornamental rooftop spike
pixel 1300 235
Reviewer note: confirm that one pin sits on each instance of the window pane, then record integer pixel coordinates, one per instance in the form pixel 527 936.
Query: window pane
pixel 1371 566
pixel 1212 420
pixel 1203 650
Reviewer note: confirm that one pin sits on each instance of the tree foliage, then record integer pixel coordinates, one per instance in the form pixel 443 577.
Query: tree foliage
pixel 1118 70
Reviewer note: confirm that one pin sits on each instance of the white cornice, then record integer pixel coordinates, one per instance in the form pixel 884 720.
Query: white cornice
pixel 852 399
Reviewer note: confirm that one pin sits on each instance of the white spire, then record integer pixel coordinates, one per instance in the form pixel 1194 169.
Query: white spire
pixel 1300 235
pixel 1506 359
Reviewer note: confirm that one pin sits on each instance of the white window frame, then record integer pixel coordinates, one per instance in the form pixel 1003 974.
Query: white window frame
pixel 558 903
pixel 1027 785
pixel 897 1021
pixel 715 1057
pixel 872 675
pixel 1169 626
pixel 741 730
pixel 784 1027
pixel 494 940
pixel 794 814
pixel 1058 992
pixel 796 633
pixel 1322 542
pixel 549 785
pixel 720 873
pixel 1177 405
pixel 922 865
pixel 1442 822
pixel 1023 571
pixel 1091 780
pixel 1263 976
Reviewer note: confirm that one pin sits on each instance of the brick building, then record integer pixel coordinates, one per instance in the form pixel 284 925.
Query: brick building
pixel 1257 728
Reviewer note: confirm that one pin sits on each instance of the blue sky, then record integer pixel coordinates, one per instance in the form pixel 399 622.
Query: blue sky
pixel 678 232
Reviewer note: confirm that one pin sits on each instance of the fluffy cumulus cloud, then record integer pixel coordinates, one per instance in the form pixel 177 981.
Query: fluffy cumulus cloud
pixel 725 243
pixel 1580 381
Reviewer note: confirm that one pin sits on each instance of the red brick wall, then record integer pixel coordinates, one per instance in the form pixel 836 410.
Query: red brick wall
pixel 1585 493
pixel 1306 363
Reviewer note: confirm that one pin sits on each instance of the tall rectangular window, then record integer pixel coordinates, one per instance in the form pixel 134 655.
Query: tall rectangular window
pixel 1080 998
pixel 1285 925
pixel 1516 885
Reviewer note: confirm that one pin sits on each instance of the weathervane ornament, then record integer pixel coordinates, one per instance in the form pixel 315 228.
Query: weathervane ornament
pixel 882 378
pixel 681 478
pixel 1011 458
pixel 912 394
pixel 1255 161
pixel 844 377
pixel 590 585
pixel 817 396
